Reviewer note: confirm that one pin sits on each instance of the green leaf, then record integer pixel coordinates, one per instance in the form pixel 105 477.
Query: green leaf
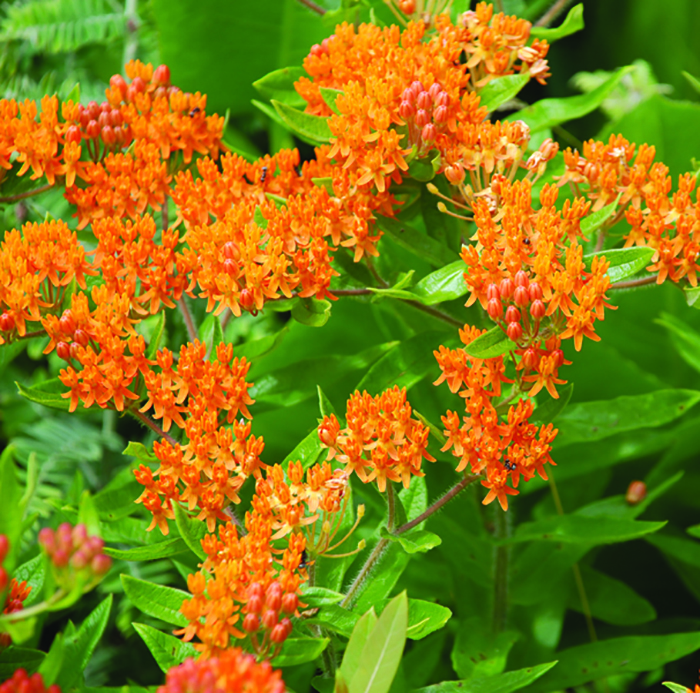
pixel 490 344
pixel 478 652
pixel 692 295
pixel 13 658
pixel 118 498
pixel 329 96
pixel 155 600
pixel 685 339
pixel 10 495
pixel 590 421
pixel 167 650
pixel 140 452
pixel 570 25
pixel 382 652
pixel 547 412
pixel 306 452
pixel 501 90
pixel 421 170
pixel 594 221
pixel 312 312
pixel 389 569
pixel 611 600
pixel 675 687
pixel 8 353
pixel 579 665
pixel 53 662
pixel 444 284
pixel 695 83
pixel 310 128
pixel 163 549
pixel 156 323
pixel 501 683
pixel 325 406
pixel 320 596
pixel 425 618
pixel 33 572
pixel 579 529
pixel 336 619
pixel 87 514
pixel 49 394
pixel 79 645
pixel 297 651
pixel 191 530
pixel 624 262
pixel 694 531
pixel 550 112
pixel 404 365
pixel 356 645
pixel 210 332
pixel 259 219
pixel 414 541
pixel 423 246
pixel 279 85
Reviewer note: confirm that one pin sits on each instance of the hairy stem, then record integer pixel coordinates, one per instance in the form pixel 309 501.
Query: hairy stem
pixel 148 421
pixel 25 195
pixel 371 561
pixel 187 316
pixel 552 13
pixel 391 503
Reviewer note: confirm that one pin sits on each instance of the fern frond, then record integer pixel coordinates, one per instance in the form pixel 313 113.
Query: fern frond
pixel 57 26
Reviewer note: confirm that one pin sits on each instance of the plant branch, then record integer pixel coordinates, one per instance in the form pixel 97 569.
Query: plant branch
pixel 439 503
pixel 372 559
pixel 632 283
pixel 187 316
pixel 25 195
pixel 148 421
pixel 552 13
pixel 391 503
pixel 313 6
pixel 351 292
pixel 30 335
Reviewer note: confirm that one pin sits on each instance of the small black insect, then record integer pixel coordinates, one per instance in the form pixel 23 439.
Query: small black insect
pixel 303 563
pixel 526 241
pixel 510 466
pixel 263 175
pixel 194 111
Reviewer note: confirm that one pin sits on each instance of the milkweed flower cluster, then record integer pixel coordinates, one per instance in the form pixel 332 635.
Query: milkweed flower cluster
pixel 21 682
pixel 16 592
pixel 232 670
pixel 74 553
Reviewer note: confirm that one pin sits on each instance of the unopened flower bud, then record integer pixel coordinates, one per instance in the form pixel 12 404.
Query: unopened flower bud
pixel 60 558
pixel 3 579
pixel 63 351
pixel 417 88
pixel 492 291
pixel 535 291
pixel 429 133
pixel 47 539
pixel 231 267
pixel 442 99
pixel 119 83
pixel 251 623
pixel 521 296
pixel 107 135
pixel 73 134
pixel 408 95
pixel 407 6
pixel 406 109
pixel 537 309
pixel 115 117
pixel 636 492
pixel 255 604
pixel 424 100
pixel 558 355
pixel 512 314
pixel 440 114
pixel 255 589
pixel 7 322
pixel 514 331
pixel 101 564
pixel 290 602
pixel 74 351
pixel 521 279
pixel 79 560
pixel 506 287
pixel 81 337
pixel 161 75
pixel 278 634
pixel 454 174
pixel 530 358
pixel 246 299
pixel 92 130
pixel 93 108
pixel 269 619
pixel 79 534
pixel 422 118
pixel 495 308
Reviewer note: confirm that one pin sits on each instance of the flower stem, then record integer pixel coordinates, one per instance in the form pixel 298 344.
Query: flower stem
pixel 187 316
pixel 500 596
pixel 152 425
pixel 372 559
pixel 552 13
pixel 313 6
pixel 25 195
pixel 632 283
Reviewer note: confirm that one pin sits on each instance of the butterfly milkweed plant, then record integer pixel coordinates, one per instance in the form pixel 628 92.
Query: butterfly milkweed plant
pixel 406 404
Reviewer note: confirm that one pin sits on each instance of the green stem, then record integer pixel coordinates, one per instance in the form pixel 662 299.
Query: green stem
pixel 500 606
pixel 187 316
pixel 632 283
pixel 152 425
pixel 25 195
pixel 33 610
pixel 372 559
pixel 391 503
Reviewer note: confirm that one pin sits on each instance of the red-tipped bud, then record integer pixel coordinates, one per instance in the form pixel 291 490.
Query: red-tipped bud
pixel 162 75
pixel 424 100
pixel 73 134
pixel 84 117
pixel 82 337
pixel 530 358
pixel 514 331
pixel 406 109
pixel 47 539
pixel 246 299
pixel 115 117
pixel 316 50
pixel 92 130
pixel 79 534
pixel 79 560
pixel 104 119
pixel 105 107
pixel 429 133
pixel 118 135
pixel 251 623
pixel 506 287
pixel 255 604
pixel 442 99
pixel 558 357
pixel 492 291
pixel 434 90
pixel 290 602
pixel 273 598
pixel 4 547
pixel 495 308
pixel 521 296
pixel 422 118
pixel 160 93
pixel 119 83
pixel 408 95
pixel 64 535
pixel 636 492
pixel 231 250
pixel 7 322
pixel 535 291
pixel 74 350
pixel 67 322
pixel 417 88
pixel 537 309
pixel 107 135
pixel 60 558
pixel 521 279
pixel 93 108
pixel 512 314
pixel 138 85
pixel 101 564
pixel 278 634
pixel 94 545
pixel 440 114
pixel 63 351
pixel 269 619
pixel 407 6
pixel 3 579
pixel 454 174
pixel 231 267
pixel 255 589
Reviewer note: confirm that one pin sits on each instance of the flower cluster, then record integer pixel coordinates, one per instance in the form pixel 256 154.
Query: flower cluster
pixel 17 593
pixel 21 682
pixel 73 552
pixel 487 440
pixel 232 670
pixel 617 172
pixel 381 440
pixel 245 576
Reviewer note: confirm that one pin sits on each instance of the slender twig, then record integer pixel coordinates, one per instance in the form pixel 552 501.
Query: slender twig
pixel 313 6
pixel 372 559
pixel 439 503
pixel 351 292
pixel 600 241
pixel 187 316
pixel 29 335
pixel 391 503
pixel 164 214
pixel 24 195
pixel 227 316
pixel 552 13
pixel 436 313
pixel 632 283
pixel 152 425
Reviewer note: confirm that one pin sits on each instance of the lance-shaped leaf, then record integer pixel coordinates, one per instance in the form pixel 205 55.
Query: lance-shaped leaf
pixel 624 262
pixel 547 412
pixel 502 89
pixel 444 284
pixel 594 221
pixel 329 96
pixel 550 112
pixel 353 652
pixel 167 650
pixel 13 658
pixel 590 421
pixel 155 600
pixel 490 344
pixel 163 549
pixel 684 338
pixel 570 25
pixel 423 246
pixel 49 394
pixel 279 85
pixel 310 128
pixel 297 651
pixel 414 541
